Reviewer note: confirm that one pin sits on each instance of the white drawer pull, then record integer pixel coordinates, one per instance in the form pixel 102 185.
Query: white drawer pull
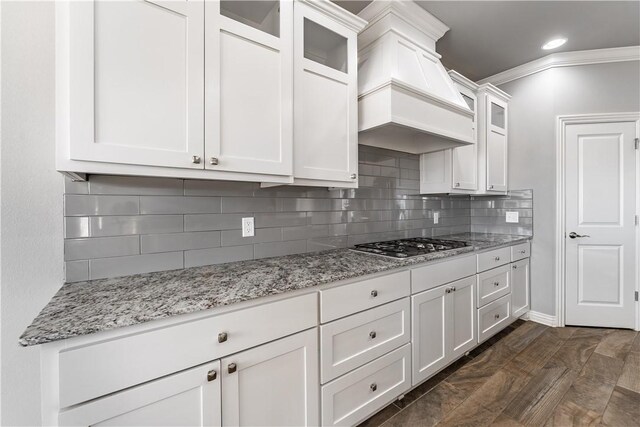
pixel 373 387
pixel 372 334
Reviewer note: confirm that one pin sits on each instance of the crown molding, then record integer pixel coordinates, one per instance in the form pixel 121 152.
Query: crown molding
pixel 353 22
pixel 565 59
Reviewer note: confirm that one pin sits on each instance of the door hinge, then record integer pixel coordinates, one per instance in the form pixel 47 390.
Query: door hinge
pixel 636 295
pixel 637 143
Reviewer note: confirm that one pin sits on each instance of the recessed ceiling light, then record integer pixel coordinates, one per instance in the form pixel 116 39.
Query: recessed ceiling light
pixel 552 44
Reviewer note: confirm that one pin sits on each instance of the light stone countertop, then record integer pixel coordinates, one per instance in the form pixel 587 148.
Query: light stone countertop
pixel 83 308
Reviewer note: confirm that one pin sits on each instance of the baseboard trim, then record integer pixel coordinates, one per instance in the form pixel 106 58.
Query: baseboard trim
pixel 542 318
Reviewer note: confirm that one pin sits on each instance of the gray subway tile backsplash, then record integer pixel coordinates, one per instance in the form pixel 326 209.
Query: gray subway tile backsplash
pixel 124 225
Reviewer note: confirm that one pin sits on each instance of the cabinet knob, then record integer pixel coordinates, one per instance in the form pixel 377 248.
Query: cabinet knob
pixel 372 334
pixel 496 283
pixel 497 316
pixel 196 159
pixel 213 161
pixel 222 336
pixel 448 290
pixel 514 266
pixel 232 368
pixel 523 251
pixel 374 293
pixel 497 258
pixel 457 184
pixel 453 289
pixel 490 187
pixel 354 176
pixel 373 387
pixel 212 375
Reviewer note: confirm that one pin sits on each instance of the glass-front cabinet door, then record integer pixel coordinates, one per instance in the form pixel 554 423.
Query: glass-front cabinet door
pixel 496 144
pixel 464 159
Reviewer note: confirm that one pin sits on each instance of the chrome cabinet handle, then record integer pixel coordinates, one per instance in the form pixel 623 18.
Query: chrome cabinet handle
pixel 232 368
pixel 222 336
pixel 372 334
pixel 213 161
pixel 212 375
pixel 374 293
pixel 354 176
pixel 573 235
pixel 373 387
pixel 196 159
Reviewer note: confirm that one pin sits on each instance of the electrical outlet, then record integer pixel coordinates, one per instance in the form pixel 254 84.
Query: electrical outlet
pixel 247 227
pixel 436 217
pixel 512 216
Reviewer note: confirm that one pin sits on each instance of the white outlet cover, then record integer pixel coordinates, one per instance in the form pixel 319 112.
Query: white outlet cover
pixel 436 217
pixel 248 229
pixel 513 216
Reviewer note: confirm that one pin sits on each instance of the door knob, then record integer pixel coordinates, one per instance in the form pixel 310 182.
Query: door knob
pixel 573 235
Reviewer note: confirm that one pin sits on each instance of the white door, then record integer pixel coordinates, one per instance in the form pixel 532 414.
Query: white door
pixel 496 126
pixel 325 98
pixel 275 384
pixel 461 315
pixel 137 82
pixel 519 287
pixel 465 159
pixel 600 226
pixel 188 398
pixel 249 86
pixel 429 332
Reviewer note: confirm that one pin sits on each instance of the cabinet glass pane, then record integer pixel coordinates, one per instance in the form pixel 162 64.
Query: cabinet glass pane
pixel 324 46
pixel 497 115
pixel 262 15
pixel 470 102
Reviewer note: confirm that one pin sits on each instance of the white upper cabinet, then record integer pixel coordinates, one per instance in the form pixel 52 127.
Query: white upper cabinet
pixel 248 121
pixel 130 82
pixel 325 147
pixel 480 168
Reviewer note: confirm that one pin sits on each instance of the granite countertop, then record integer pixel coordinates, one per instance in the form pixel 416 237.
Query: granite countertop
pixel 87 307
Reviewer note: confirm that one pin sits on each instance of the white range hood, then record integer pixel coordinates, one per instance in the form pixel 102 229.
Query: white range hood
pixel 406 100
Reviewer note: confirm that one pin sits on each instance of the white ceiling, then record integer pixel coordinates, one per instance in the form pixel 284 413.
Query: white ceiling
pixel 487 37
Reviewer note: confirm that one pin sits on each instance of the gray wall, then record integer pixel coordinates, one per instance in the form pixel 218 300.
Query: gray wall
pixel 31 206
pixel 536 102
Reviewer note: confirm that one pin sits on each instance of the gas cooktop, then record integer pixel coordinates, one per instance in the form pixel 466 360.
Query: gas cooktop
pixel 404 248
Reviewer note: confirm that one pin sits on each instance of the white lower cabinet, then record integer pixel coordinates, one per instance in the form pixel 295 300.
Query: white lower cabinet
pixel 442 326
pixel 494 317
pixel 357 395
pixel 519 287
pixel 188 398
pixel 275 384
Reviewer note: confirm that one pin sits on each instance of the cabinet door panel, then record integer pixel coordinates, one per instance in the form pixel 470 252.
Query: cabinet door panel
pixel 274 384
pixel 462 317
pixel 519 287
pixel 465 167
pixel 248 92
pixel 497 169
pixel 187 398
pixel 429 333
pixel 325 98
pixel 136 82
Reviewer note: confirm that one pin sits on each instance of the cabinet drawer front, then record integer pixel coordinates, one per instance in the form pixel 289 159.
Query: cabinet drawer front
pixel 520 251
pixel 355 340
pixel 360 393
pixel 494 317
pixel 493 284
pixel 434 275
pixel 493 259
pixel 90 371
pixel 348 299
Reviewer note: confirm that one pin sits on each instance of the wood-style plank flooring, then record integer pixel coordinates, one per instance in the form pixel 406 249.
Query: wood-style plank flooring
pixel 530 374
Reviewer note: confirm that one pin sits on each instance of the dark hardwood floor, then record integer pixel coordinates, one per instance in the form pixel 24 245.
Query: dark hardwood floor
pixel 530 374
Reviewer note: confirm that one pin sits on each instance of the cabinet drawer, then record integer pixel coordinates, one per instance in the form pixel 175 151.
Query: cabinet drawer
pixel 90 371
pixel 431 276
pixel 360 393
pixel 493 259
pixel 521 251
pixel 492 284
pixel 494 317
pixel 344 300
pixel 355 340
